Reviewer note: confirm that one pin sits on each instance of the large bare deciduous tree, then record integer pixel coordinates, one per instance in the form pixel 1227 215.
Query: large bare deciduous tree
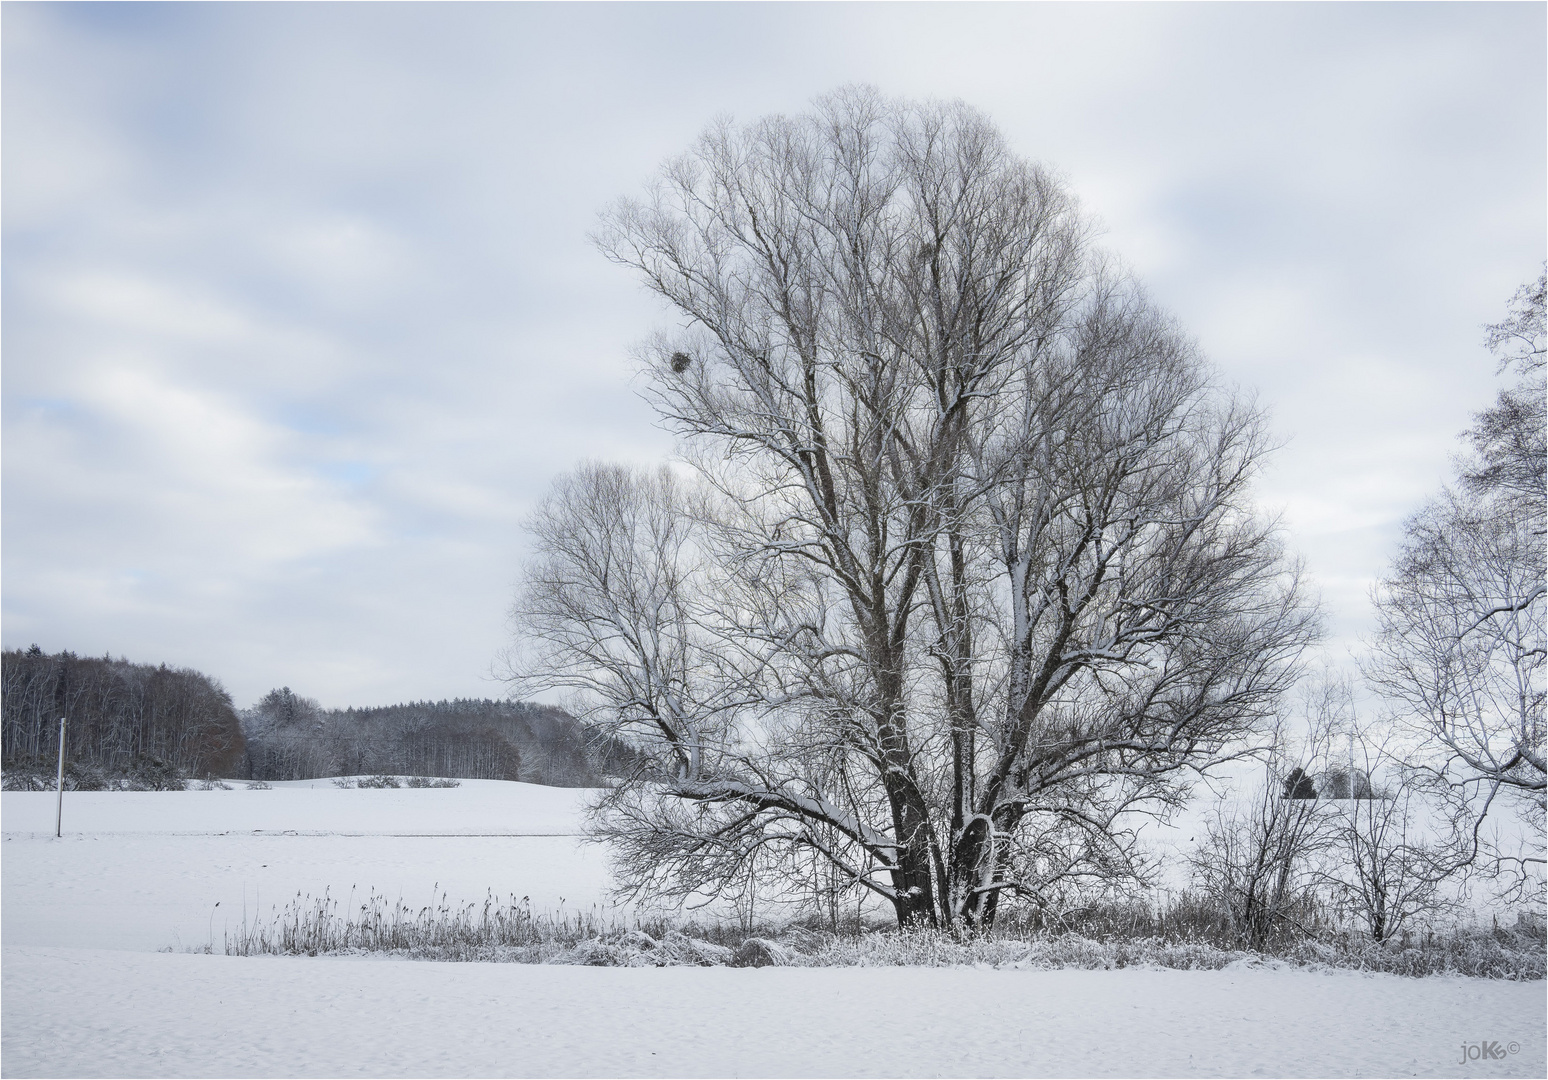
pixel 968 571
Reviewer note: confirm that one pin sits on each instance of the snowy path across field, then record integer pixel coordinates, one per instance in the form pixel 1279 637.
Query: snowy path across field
pixel 94 1013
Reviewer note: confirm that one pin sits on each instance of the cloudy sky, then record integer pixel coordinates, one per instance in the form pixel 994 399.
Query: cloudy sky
pixel 300 316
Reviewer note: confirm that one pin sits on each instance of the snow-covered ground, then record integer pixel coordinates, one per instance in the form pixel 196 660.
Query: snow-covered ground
pixel 146 870
pixel 95 1012
pixel 85 993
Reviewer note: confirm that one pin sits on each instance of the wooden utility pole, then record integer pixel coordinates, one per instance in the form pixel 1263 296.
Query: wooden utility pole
pixel 59 810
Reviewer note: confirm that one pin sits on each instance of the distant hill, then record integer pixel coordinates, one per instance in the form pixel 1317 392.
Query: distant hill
pixel 290 737
pixel 147 724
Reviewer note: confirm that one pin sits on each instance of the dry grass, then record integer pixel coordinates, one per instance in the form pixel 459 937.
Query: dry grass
pixel 1187 937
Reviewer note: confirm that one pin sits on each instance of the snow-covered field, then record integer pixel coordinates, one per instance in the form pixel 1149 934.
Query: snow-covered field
pixel 98 1012
pixel 85 993
pixel 145 870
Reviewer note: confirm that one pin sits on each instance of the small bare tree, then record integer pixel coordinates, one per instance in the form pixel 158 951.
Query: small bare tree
pixel 1390 851
pixel 1384 867
pixel 1259 860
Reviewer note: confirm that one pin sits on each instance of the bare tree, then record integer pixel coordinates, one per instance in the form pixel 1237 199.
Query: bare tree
pixel 1460 646
pixel 1259 858
pixel 1151 622
pixel 1390 850
pixel 1385 867
pixel 1510 438
pixel 285 735
pixel 971 571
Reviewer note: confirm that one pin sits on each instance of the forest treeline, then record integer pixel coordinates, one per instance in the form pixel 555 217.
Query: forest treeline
pixel 146 724
pixel 153 726
pixel 290 737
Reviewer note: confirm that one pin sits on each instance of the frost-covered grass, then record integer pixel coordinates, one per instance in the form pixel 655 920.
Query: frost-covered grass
pixel 313 926
pixel 369 782
pixel 509 931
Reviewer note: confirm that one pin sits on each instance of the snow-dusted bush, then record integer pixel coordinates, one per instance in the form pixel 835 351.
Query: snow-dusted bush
pixel 145 774
pixel 348 782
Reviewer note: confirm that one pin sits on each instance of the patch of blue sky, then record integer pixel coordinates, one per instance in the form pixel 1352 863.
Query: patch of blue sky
pixel 1242 221
pixel 118 19
pixel 52 406
pixel 354 474
pixel 305 421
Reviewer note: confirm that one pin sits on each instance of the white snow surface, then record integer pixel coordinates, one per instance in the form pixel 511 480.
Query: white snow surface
pixel 156 869
pixel 86 994
pixel 106 1013
pixel 477 807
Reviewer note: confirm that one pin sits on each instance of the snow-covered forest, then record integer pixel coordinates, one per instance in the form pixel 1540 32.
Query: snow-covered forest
pixel 153 724
pixel 292 737
pixel 141 727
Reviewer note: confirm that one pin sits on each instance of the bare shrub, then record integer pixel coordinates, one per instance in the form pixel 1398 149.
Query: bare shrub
pixel 1255 861
pixel 431 782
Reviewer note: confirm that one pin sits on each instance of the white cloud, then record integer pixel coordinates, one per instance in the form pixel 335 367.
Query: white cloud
pixel 133 303
pixel 300 316
pixel 352 262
